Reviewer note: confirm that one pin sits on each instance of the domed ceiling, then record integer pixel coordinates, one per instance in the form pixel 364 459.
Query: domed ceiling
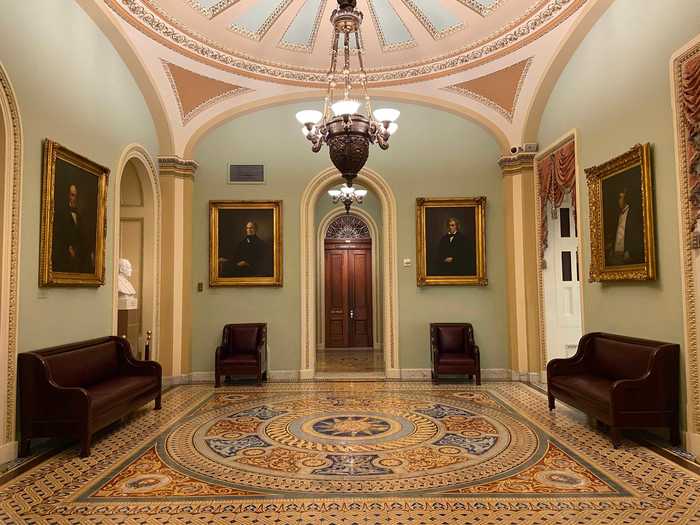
pixel 202 61
pixel 289 40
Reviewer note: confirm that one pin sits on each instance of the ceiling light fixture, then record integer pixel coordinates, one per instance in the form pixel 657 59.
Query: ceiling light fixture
pixel 347 195
pixel 347 133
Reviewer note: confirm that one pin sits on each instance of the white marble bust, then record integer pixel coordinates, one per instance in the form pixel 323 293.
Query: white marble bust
pixel 127 293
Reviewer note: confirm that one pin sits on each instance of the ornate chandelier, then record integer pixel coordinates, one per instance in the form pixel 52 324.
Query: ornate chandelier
pixel 347 132
pixel 347 195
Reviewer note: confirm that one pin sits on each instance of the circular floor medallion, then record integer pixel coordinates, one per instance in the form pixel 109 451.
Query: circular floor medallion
pixel 327 442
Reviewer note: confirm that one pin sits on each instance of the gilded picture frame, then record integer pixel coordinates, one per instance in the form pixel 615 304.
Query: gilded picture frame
pixel 245 243
pixel 621 214
pixel 73 219
pixel 451 241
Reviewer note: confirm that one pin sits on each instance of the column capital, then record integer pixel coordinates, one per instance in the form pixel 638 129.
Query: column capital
pixel 176 166
pixel 518 162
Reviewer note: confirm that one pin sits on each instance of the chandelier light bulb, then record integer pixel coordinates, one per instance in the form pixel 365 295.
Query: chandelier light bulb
pixel 347 189
pixel 392 128
pixel 360 193
pixel 309 116
pixel 386 114
pixel 334 193
pixel 345 107
pixel 305 131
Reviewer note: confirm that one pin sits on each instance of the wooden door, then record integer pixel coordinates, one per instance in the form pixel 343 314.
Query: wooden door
pixel 348 280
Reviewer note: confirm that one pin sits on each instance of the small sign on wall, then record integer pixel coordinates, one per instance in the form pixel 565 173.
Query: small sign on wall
pixel 246 174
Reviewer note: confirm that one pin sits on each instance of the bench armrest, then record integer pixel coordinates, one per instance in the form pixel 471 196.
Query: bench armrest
pixel 571 365
pixel 135 367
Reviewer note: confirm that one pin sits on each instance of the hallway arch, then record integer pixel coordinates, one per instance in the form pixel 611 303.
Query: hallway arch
pixel 137 168
pixel 309 255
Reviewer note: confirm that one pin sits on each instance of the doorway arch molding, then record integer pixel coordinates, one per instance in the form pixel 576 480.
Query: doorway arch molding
pixel 140 154
pixel 324 223
pixel 11 172
pixel 309 256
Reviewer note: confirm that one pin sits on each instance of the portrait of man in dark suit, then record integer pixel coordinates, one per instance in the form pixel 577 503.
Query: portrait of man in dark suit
pixel 451 241
pixel 245 243
pixel 72 249
pixel 623 226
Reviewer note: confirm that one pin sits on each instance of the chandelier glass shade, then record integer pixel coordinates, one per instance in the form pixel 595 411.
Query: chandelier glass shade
pixel 347 131
pixel 348 195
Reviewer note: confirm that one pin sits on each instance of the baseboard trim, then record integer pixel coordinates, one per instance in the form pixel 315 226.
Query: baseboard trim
pixel 397 374
pixel 8 452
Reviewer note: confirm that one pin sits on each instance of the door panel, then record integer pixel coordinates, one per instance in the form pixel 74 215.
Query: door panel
pixel 348 295
pixel 337 314
pixel 360 298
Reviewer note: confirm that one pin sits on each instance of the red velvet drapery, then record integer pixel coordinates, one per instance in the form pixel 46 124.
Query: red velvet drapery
pixel 557 177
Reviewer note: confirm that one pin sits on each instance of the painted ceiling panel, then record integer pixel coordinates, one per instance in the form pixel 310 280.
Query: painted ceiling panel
pixel 435 18
pixel 259 17
pixel 483 7
pixel 301 33
pixel 391 30
pixel 211 8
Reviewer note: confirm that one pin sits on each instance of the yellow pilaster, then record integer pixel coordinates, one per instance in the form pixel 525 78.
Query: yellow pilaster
pixel 176 182
pixel 521 263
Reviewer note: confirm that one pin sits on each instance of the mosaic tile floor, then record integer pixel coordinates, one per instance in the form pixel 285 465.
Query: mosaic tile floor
pixel 350 453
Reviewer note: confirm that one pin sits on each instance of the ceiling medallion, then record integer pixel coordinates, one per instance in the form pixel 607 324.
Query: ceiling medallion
pixel 347 132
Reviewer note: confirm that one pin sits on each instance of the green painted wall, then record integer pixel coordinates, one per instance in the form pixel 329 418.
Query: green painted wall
pixel 72 87
pixel 434 154
pixel 616 91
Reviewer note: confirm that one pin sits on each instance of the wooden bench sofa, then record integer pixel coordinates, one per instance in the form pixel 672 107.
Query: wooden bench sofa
pixel 74 390
pixel 621 381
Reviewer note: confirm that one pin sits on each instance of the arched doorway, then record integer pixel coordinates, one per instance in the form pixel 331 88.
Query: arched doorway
pixel 348 320
pixel 10 189
pixel 311 252
pixel 137 239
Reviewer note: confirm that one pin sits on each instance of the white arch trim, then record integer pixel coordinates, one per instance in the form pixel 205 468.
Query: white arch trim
pixel 11 174
pixel 139 153
pixel 374 235
pixel 309 256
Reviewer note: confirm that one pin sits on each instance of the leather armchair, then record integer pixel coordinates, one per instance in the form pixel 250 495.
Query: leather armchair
pixel 621 381
pixel 452 351
pixel 243 352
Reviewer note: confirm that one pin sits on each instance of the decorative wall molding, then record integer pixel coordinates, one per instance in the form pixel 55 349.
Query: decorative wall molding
pixel 10 245
pixel 176 166
pixel 517 162
pixel 309 248
pixel 685 75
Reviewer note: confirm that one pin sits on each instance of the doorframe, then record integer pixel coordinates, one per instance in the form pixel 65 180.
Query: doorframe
pixel 572 134
pixel 309 256
pixel 150 187
pixel 12 172
pixel 321 298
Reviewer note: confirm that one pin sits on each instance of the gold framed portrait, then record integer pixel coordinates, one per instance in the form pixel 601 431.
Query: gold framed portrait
pixel 622 218
pixel 245 243
pixel 73 219
pixel 451 241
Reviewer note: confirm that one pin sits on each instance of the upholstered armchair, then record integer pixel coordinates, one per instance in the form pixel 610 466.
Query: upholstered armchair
pixel 243 352
pixel 453 351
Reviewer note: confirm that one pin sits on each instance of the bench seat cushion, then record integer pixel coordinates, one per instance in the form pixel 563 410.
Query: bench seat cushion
pixel 596 389
pixel 117 390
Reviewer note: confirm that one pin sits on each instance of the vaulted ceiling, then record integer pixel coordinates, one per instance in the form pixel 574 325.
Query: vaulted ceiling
pixel 204 61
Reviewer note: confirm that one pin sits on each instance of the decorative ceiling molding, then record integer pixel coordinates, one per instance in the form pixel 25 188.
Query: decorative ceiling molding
pixel 149 18
pixel 303 29
pixel 211 8
pixel 483 7
pixel 430 14
pixel 258 19
pixel 499 90
pixel 196 93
